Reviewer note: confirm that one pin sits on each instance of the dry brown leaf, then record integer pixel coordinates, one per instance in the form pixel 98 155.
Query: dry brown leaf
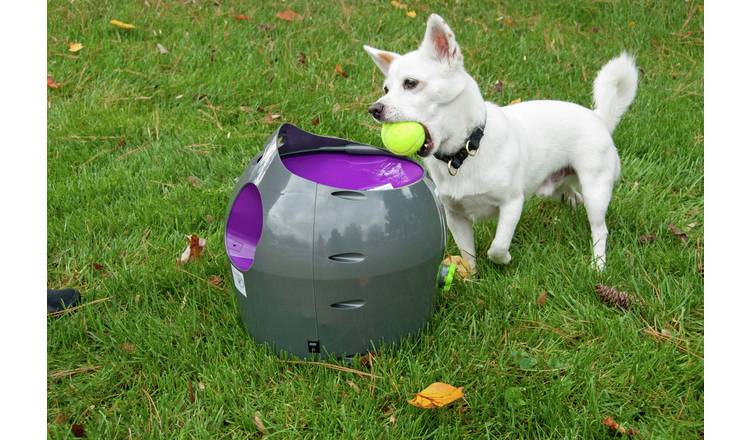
pixel 411 14
pixel 60 418
pixel 507 21
pixel 646 238
pixel 437 395
pixel 75 47
pixel 191 394
pixel 340 71
pixel 397 4
pixel 122 25
pixel 127 347
pixel 610 423
pixel 677 232
pixel 270 118
pixel 77 430
pixel 259 423
pixel 196 182
pixel 302 58
pixel 289 15
pixel 367 360
pixel 215 280
pixel 98 266
pixel 51 83
pixel 193 250
pixel 266 27
pixel 499 86
pixel 542 299
pixel 463 269
pixel 315 120
pixel 515 101
pixel 241 17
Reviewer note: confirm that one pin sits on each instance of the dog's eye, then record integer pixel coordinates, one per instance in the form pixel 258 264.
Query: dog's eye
pixel 410 83
pixel 385 89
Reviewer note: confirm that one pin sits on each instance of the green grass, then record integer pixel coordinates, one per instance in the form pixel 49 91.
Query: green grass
pixel 129 125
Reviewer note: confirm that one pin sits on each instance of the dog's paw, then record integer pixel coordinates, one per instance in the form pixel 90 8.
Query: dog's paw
pixel 499 256
pixel 571 198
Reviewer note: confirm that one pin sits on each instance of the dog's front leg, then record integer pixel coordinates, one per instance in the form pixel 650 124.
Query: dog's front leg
pixel 510 212
pixel 462 230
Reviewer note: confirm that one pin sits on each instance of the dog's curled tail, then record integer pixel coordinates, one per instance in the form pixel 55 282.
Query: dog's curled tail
pixel 614 89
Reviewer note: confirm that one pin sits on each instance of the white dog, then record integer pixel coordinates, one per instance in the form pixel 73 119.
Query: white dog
pixel 505 154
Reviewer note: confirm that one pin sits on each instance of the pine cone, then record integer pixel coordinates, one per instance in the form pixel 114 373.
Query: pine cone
pixel 612 296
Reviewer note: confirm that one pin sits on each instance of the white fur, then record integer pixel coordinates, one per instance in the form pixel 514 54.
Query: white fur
pixel 523 145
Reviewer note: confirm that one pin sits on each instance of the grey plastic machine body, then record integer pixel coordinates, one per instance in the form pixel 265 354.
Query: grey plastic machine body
pixel 334 270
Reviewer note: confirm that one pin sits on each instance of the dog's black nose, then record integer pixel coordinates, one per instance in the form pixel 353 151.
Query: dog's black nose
pixel 376 110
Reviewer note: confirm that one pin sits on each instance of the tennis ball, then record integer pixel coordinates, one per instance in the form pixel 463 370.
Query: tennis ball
pixel 402 138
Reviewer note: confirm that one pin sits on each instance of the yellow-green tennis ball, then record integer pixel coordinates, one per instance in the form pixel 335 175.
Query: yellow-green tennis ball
pixel 403 138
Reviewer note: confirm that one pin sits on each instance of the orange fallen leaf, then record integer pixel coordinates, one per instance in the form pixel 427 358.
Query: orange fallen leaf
pixel 437 395
pixel 193 250
pixel 215 280
pixel 397 4
pixel 411 14
pixel 463 269
pixel 75 47
pixel 122 25
pixel 542 299
pixel 51 83
pixel 289 15
pixel 241 17
pixel 340 71
pixel 515 101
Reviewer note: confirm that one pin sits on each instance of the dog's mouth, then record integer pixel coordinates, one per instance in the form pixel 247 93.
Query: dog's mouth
pixel 427 146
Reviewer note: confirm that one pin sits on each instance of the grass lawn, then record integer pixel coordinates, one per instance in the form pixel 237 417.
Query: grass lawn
pixel 129 126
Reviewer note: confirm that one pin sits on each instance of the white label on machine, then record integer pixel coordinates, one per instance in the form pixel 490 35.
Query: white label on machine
pixel 239 281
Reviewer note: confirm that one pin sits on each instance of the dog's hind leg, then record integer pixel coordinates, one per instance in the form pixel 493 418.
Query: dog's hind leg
pixel 461 228
pixel 597 192
pixel 510 212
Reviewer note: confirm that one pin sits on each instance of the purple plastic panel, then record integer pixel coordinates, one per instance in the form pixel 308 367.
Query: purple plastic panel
pixel 354 171
pixel 244 226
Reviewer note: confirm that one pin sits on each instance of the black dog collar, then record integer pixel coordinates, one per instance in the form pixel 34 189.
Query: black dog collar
pixel 470 148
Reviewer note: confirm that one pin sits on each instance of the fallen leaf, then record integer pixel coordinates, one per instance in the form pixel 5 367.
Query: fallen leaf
pixel 75 47
pixel 515 101
pixel 98 266
pixel 315 120
pixel 259 423
pixel 437 395
pixel 340 71
pixel 51 83
pixel 397 4
pixel 542 299
pixel 367 360
pixel 594 30
pixel 122 25
pixel 690 226
pixel 646 238
pixel 507 21
pixel 128 347
pixel 499 86
pixel 77 430
pixel 610 423
pixel 60 418
pixel 191 394
pixel 241 17
pixel 215 280
pixel 612 296
pixel 353 385
pixel 266 27
pixel 677 232
pixel 462 266
pixel 302 58
pixel 193 250
pixel 162 50
pixel 196 182
pixel 411 14
pixel 270 118
pixel 289 15
pixel 392 419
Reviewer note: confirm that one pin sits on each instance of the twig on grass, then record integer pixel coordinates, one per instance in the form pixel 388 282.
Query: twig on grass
pixel 335 367
pixel 153 405
pixel 72 309
pixel 68 373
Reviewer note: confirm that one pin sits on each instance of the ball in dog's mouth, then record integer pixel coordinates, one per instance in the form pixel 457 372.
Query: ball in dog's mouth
pixel 427 146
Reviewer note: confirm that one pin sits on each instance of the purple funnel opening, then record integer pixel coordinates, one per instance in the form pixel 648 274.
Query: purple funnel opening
pixel 244 226
pixel 354 171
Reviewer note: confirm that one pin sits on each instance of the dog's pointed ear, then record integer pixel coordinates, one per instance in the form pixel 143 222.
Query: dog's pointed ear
pixel 440 41
pixel 382 58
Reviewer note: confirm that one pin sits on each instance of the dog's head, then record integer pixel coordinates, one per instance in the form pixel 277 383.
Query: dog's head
pixel 430 86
